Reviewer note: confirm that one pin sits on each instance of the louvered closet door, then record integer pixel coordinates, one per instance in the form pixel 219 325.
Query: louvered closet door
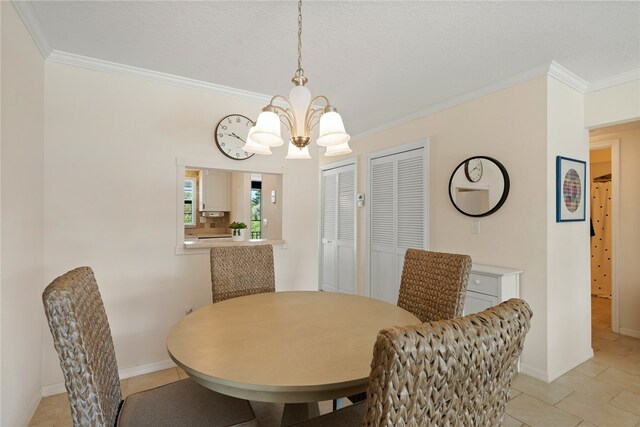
pixel 338 229
pixel 397 218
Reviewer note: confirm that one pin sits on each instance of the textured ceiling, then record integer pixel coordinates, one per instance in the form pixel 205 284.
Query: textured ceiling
pixel 376 61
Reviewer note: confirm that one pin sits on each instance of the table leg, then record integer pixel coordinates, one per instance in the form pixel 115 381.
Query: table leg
pixel 297 412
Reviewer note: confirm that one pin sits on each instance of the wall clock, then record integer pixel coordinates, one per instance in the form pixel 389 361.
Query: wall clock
pixel 473 169
pixel 231 135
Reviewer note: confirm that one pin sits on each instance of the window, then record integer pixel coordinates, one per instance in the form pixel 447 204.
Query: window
pixel 189 202
pixel 256 202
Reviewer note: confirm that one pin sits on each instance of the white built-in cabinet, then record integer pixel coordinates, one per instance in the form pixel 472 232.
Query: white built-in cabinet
pixel 489 286
pixel 337 254
pixel 214 190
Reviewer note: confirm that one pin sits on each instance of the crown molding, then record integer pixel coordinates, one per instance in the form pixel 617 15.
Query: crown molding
pixel 616 80
pixel 461 99
pixel 565 76
pixel 156 76
pixel 31 21
pixel 554 70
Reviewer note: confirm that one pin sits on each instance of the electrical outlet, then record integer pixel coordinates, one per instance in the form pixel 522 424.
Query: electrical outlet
pixel 188 309
pixel 475 227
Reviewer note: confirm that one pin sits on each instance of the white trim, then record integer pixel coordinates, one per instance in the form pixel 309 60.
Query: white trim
pixel 31 408
pixel 550 376
pixel 156 76
pixel 565 76
pixel 414 145
pixel 461 99
pixel 58 388
pixel 532 372
pixel 630 332
pixel 618 79
pixel 209 164
pixel 33 24
pixel 339 163
pixel 614 145
pixel 554 70
pixel 328 166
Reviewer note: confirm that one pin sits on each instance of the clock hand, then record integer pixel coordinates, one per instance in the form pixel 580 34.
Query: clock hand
pixel 236 136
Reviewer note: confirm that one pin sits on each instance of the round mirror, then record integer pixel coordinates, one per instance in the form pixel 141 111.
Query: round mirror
pixel 479 186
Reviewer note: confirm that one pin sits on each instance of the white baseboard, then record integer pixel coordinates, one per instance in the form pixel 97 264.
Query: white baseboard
pixel 630 332
pixel 52 389
pixel 533 372
pixel 550 376
pixel 31 408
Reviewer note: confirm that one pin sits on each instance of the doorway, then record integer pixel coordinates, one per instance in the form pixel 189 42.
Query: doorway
pixel 604 183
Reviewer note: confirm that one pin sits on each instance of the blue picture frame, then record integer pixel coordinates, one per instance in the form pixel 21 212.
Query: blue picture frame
pixel 571 189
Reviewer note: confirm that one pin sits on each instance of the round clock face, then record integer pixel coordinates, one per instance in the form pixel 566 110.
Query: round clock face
pixel 473 170
pixel 231 135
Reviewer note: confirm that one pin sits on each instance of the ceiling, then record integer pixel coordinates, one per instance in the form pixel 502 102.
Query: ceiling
pixel 377 61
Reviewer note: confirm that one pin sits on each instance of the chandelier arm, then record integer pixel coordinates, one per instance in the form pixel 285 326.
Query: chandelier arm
pixel 282 113
pixel 313 123
pixel 313 112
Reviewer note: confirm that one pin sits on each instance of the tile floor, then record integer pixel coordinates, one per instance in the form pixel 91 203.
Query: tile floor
pixel 604 391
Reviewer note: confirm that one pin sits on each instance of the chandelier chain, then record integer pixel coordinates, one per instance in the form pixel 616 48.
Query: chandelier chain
pixel 300 71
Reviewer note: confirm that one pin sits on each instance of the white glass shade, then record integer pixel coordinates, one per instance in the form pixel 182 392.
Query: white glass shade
pixel 332 130
pixel 267 130
pixel 337 150
pixel 252 146
pixel 299 97
pixel 298 153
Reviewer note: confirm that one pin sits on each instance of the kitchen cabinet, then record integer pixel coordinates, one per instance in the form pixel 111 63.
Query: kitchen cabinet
pixel 489 285
pixel 214 190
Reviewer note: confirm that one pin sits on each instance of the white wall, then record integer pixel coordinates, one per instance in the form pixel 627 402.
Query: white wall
pixel 615 104
pixel 21 260
pixel 568 243
pixel 509 125
pixel 110 200
pixel 628 231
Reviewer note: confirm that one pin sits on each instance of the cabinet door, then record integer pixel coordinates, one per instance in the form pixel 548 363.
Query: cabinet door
pixel 397 218
pixel 476 302
pixel 338 229
pixel 214 191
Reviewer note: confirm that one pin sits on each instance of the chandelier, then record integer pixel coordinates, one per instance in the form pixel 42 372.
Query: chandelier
pixel 299 114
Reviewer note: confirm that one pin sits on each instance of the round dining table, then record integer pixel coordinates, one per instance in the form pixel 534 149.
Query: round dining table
pixel 296 348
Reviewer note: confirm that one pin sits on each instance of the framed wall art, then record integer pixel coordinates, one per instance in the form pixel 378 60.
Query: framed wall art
pixel 570 189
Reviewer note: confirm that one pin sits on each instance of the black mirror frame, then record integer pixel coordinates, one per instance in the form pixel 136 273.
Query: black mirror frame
pixel 505 191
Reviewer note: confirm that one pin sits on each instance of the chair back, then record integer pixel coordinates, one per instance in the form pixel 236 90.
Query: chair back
pixel 434 284
pixel 241 270
pixel 452 372
pixel 82 338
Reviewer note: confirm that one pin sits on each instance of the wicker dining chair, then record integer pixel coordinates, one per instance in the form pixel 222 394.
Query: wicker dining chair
pixel 82 338
pixel 434 284
pixel 453 372
pixel 241 270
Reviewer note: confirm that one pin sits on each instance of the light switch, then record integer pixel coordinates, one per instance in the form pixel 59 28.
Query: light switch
pixel 273 196
pixel 475 227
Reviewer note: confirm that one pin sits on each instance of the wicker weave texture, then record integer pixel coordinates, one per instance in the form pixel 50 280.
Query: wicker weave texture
pixel 82 338
pixel 241 270
pixel 447 373
pixel 434 284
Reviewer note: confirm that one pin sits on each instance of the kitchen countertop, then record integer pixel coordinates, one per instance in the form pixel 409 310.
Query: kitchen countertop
pixel 218 243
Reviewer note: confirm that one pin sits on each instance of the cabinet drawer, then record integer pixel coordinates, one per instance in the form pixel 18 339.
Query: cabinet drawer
pixel 484 284
pixel 475 302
